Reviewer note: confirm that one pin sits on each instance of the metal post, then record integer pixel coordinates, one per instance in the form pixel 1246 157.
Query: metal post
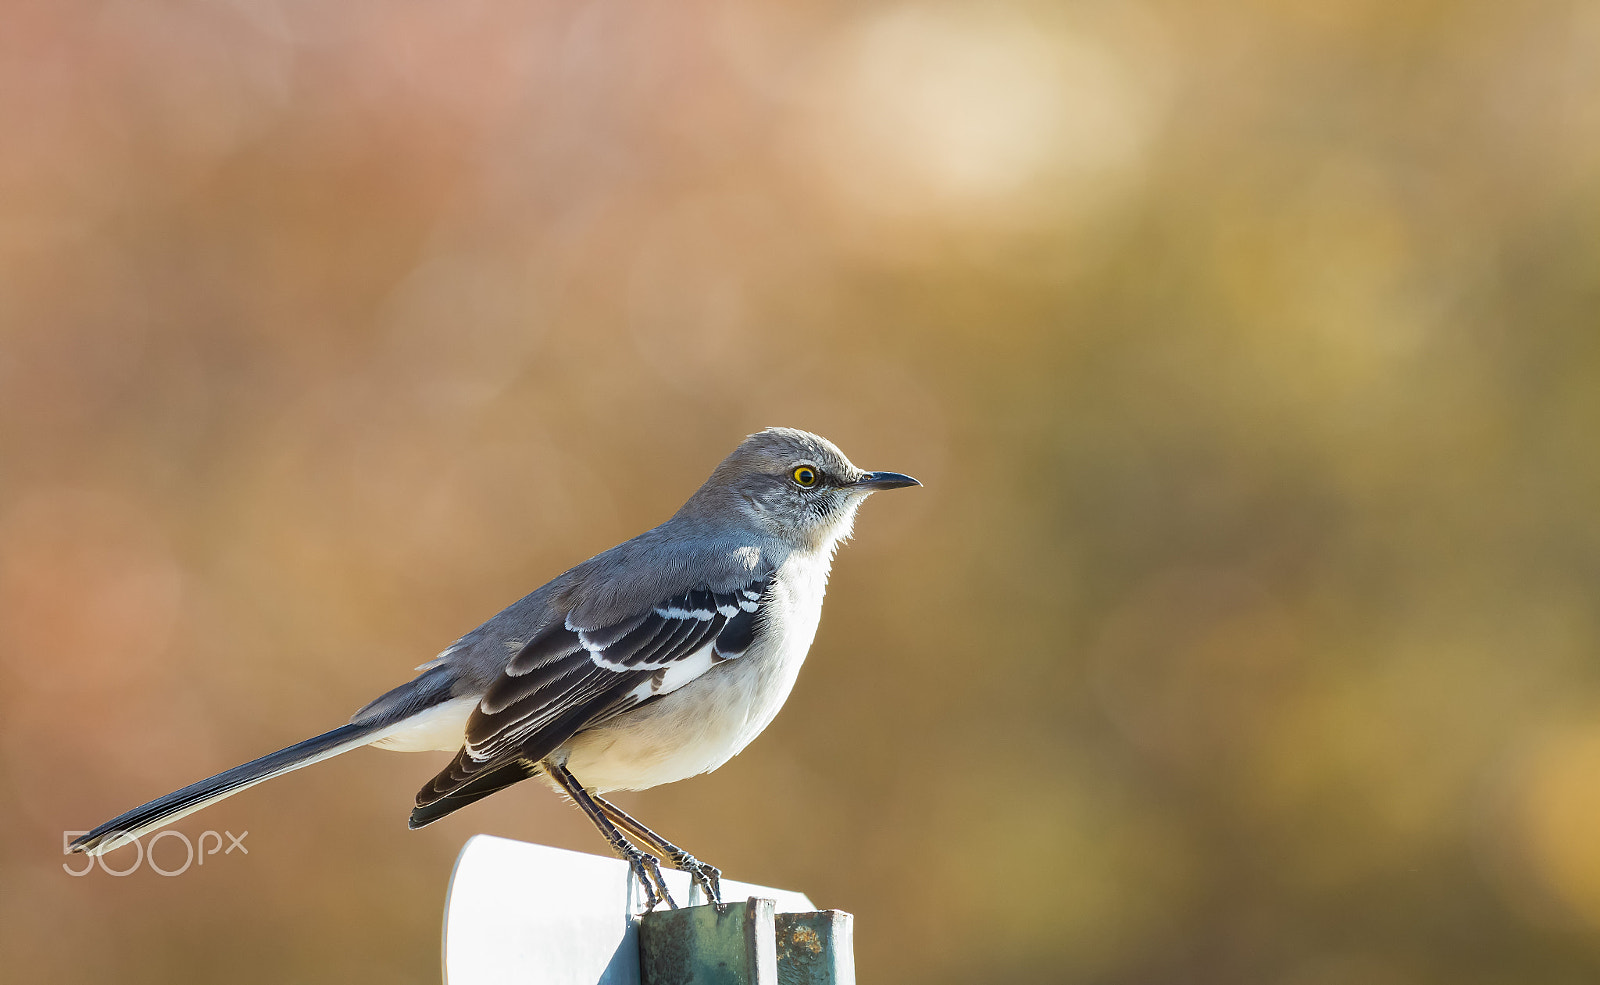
pixel 700 945
pixel 746 944
pixel 519 912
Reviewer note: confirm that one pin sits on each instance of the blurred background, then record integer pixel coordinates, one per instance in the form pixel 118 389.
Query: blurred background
pixel 1245 630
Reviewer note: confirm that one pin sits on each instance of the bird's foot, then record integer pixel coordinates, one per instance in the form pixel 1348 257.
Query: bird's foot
pixel 647 869
pixel 707 877
pixel 710 879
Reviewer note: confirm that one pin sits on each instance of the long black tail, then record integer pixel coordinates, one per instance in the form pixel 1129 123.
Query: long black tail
pixel 164 810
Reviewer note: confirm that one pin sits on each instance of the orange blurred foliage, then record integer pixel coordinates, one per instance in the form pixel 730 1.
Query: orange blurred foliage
pixel 1243 633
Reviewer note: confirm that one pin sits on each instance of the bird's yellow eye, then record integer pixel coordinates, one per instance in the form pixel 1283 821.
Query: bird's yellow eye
pixel 804 476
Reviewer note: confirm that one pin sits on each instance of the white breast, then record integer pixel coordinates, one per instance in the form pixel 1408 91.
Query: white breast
pixel 708 720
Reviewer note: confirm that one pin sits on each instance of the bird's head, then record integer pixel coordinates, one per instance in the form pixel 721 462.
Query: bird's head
pixel 794 485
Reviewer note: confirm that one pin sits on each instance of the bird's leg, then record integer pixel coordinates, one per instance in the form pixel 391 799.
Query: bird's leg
pixel 708 876
pixel 646 867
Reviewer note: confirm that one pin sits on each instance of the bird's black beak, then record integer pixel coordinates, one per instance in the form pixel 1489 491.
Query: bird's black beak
pixel 884 480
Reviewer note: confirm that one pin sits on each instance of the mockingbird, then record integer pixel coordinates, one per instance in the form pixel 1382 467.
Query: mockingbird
pixel 657 660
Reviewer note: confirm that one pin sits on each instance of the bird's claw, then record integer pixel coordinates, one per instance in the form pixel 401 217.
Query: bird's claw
pixel 707 877
pixel 710 879
pixel 647 869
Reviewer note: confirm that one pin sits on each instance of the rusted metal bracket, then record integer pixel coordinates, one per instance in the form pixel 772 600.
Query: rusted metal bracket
pixel 816 948
pixel 745 943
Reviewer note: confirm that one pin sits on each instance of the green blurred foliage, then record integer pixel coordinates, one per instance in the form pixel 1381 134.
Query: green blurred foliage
pixel 1244 630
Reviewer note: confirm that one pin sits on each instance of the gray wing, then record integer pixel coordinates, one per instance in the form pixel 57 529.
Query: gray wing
pixel 572 676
